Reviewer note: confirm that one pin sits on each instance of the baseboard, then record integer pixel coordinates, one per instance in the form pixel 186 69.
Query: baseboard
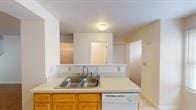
pixel 169 108
pixel 187 108
pixel 10 82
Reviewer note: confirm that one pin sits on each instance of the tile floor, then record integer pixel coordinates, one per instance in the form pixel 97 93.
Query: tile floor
pixel 145 105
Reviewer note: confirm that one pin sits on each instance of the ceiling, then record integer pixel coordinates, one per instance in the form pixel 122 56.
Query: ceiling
pixel 9 25
pixel 16 9
pixel 121 16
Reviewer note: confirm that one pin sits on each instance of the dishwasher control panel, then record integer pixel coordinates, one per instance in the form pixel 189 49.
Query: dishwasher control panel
pixel 120 98
pixel 120 101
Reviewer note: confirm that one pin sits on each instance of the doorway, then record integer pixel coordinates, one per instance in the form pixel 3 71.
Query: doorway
pixel 66 53
pixel 135 61
pixel 10 63
pixel 98 53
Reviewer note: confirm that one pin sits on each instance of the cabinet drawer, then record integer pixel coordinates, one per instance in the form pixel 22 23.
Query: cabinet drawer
pixel 64 97
pixel 65 106
pixel 42 106
pixel 42 98
pixel 89 106
pixel 89 98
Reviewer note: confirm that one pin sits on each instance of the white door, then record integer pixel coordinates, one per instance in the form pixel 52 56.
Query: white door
pixel 148 69
pixel 98 53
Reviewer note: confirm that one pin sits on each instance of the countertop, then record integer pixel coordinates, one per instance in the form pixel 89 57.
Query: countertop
pixel 107 84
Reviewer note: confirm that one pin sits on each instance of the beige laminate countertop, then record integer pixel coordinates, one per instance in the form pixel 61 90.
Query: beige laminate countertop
pixel 107 84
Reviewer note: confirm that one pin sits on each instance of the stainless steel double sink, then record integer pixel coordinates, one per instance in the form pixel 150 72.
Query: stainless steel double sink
pixel 79 82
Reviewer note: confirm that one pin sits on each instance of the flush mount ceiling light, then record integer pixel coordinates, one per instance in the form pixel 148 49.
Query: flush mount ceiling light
pixel 102 27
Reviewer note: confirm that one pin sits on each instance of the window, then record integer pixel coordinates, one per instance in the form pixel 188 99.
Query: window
pixel 190 60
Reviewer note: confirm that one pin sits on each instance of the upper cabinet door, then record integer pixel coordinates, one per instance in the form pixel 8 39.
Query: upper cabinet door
pixel 89 106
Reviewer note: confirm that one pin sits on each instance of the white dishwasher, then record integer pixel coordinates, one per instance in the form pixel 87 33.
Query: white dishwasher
pixel 119 101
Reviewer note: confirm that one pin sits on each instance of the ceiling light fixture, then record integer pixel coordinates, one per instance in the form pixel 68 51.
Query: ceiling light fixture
pixel 102 27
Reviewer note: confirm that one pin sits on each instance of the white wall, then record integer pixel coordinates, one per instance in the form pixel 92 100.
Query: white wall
pixel 189 98
pixel 33 59
pixel 150 36
pixel 82 43
pixel 162 67
pixel 39 44
pixel 119 53
pixel 171 45
pixel 10 61
pixel 40 54
pixel 51 33
pixel 52 45
pixel 120 49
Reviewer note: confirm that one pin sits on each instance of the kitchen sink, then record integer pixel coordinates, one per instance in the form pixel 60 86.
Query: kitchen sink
pixel 79 82
pixel 71 82
pixel 89 82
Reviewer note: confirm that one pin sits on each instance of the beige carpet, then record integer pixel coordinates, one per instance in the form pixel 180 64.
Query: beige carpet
pixel 10 97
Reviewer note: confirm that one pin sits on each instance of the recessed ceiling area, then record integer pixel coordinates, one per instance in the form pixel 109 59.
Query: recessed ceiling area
pixel 121 16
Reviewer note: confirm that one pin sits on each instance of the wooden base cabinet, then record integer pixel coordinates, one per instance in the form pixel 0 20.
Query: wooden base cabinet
pixel 89 101
pixel 89 106
pixel 42 106
pixel 61 101
pixel 42 102
pixel 64 106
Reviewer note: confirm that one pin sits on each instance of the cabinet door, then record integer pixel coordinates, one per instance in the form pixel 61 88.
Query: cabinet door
pixel 42 106
pixel 64 106
pixel 89 106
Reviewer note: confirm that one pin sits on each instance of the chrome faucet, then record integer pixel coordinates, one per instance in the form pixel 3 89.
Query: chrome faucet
pixel 87 72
